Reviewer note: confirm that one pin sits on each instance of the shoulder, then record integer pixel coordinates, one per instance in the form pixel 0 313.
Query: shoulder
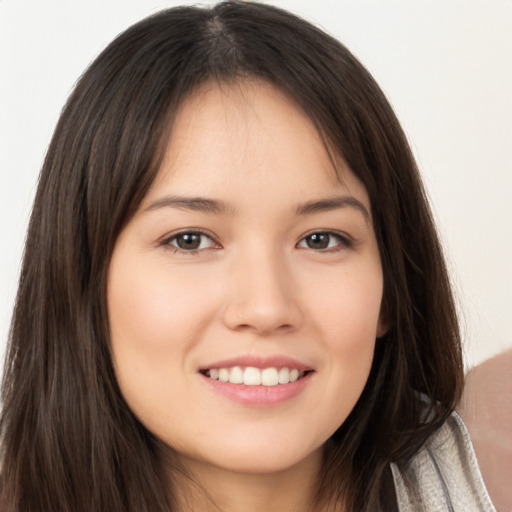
pixel 486 408
pixel 443 475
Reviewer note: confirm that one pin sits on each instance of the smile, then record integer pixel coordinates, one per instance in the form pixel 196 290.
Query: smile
pixel 251 376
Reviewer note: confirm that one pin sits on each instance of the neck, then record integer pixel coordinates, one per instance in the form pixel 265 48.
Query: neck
pixel 213 489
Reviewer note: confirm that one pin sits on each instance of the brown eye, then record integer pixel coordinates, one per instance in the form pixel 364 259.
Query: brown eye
pixel 318 240
pixel 324 241
pixel 191 241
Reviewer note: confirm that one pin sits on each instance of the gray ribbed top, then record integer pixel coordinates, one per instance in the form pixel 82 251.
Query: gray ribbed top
pixel 443 475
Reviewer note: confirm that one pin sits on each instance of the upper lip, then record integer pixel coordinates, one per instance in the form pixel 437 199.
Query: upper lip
pixel 261 362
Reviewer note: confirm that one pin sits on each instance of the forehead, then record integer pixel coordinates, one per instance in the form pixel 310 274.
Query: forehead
pixel 256 139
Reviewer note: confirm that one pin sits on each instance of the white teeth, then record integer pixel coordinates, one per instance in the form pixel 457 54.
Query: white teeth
pixel 236 375
pixel 284 376
pixel 251 376
pixel 269 377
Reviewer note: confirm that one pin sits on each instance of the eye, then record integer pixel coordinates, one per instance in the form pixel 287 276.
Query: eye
pixel 324 241
pixel 190 241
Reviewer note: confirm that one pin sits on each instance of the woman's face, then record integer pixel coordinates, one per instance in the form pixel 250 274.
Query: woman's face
pixel 248 261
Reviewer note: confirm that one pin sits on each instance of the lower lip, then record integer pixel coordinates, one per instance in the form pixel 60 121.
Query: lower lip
pixel 259 395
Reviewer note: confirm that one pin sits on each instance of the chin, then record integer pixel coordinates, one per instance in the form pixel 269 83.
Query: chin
pixel 253 456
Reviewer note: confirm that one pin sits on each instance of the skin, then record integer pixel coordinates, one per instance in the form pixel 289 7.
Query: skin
pixel 256 285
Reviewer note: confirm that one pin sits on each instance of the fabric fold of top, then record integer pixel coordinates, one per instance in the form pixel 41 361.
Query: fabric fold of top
pixel 443 475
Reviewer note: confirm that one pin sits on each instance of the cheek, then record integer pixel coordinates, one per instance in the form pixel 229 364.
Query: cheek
pixel 349 314
pixel 154 326
pixel 153 329
pixel 152 309
pixel 349 305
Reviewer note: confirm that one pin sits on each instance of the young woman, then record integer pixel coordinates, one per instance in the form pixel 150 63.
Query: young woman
pixel 232 296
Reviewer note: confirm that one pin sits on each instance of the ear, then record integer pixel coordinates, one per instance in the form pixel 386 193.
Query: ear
pixel 383 325
pixel 381 330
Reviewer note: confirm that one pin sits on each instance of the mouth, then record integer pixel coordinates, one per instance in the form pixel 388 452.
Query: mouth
pixel 252 376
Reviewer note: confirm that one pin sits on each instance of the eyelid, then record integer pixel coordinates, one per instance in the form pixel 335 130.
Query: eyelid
pixel 168 238
pixel 346 241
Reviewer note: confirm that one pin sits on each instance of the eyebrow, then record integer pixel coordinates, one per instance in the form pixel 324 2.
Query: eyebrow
pixel 333 203
pixel 199 204
pixel 217 207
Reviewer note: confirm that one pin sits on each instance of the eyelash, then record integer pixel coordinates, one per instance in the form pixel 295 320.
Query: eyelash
pixel 167 242
pixel 344 242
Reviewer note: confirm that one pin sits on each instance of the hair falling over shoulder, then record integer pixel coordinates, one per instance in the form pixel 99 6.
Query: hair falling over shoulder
pixel 69 442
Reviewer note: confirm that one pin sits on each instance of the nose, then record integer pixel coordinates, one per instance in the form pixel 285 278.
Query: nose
pixel 263 296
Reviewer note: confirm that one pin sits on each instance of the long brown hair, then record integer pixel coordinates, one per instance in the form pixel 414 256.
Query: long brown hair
pixel 69 442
